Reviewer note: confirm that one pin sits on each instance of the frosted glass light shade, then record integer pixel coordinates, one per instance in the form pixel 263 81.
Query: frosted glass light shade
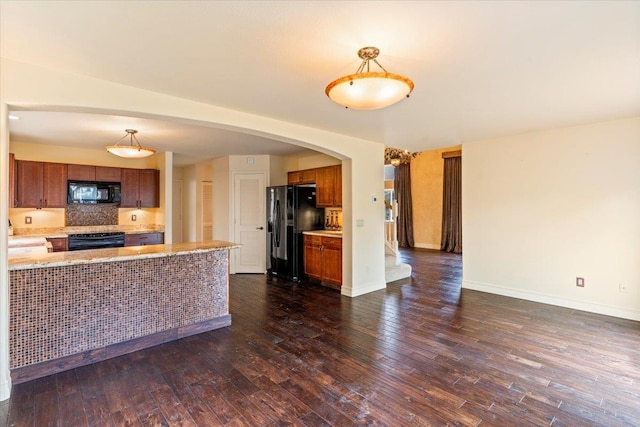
pixel 130 151
pixel 369 91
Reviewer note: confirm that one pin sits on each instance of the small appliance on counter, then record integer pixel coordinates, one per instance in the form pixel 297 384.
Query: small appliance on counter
pixel 291 209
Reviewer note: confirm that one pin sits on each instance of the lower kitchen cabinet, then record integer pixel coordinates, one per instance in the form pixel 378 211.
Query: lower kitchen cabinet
pixel 59 244
pixel 141 239
pixel 323 259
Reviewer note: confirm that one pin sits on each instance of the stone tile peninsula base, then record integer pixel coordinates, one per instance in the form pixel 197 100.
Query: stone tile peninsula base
pixel 73 309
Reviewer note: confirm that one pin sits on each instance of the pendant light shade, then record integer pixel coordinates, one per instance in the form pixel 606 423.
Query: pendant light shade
pixel 367 90
pixel 130 151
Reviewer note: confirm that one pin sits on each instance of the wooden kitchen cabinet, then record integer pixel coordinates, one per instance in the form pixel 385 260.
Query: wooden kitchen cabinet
pixel 332 260
pixel 41 185
pixel 329 187
pixel 59 244
pixel 323 259
pixel 141 239
pixel 12 180
pixel 93 173
pixel 307 176
pixel 139 188
pixel 313 256
pixel 108 174
pixel 81 172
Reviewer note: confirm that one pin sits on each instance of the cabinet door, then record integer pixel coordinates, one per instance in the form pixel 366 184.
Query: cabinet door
pixel 332 260
pixel 81 172
pixel 148 184
pixel 308 176
pixel 55 185
pixel 129 188
pixel 294 177
pixel 107 174
pixel 325 183
pixel 30 181
pixel 337 188
pixel 12 180
pixel 312 257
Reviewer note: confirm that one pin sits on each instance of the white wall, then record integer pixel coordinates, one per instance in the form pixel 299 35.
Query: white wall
pixel 221 197
pixel 544 208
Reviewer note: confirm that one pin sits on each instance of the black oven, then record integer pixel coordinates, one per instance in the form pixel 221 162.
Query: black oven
pixel 79 242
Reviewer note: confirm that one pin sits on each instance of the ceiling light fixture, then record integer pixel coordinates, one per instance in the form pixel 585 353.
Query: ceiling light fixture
pixel 130 151
pixel 396 156
pixel 369 90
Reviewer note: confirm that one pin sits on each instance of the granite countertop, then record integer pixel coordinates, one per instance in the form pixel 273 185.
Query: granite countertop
pixel 63 232
pixel 324 233
pixel 57 259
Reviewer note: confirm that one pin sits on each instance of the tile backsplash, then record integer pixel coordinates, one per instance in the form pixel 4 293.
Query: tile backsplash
pixel 78 214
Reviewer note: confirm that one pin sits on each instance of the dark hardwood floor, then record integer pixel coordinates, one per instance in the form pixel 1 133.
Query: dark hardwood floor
pixel 421 352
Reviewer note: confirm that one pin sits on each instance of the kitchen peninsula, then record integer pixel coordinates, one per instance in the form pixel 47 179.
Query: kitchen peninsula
pixel 69 309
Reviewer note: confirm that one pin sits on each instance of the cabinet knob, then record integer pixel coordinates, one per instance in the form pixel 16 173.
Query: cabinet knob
pixel 259 228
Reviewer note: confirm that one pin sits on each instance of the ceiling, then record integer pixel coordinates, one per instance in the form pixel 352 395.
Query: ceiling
pixel 481 69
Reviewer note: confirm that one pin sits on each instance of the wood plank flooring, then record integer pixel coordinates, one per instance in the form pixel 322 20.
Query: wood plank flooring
pixel 421 352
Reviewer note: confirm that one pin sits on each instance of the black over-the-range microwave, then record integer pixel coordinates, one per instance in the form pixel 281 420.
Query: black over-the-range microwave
pixel 91 192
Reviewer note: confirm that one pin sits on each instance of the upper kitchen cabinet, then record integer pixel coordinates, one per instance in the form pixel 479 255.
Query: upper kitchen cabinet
pixel 307 176
pixel 12 180
pixel 41 185
pixel 329 187
pixel 93 173
pixel 140 188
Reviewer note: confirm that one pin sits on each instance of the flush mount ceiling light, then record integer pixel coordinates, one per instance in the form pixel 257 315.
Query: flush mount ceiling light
pixel 369 90
pixel 130 151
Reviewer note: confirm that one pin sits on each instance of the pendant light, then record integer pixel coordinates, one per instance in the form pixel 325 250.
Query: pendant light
pixel 369 90
pixel 130 151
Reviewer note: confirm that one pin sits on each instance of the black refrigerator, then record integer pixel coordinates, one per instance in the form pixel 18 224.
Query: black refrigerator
pixel 291 209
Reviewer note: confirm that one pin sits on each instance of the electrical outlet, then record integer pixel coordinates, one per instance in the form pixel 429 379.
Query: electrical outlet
pixel 580 282
pixel 27 220
pixel 622 287
pixel 133 217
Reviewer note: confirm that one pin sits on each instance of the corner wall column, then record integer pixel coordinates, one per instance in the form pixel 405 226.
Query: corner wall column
pixel 5 378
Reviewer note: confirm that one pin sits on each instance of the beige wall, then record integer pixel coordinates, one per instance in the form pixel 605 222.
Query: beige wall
pixel 543 208
pixel 427 171
pixel 79 156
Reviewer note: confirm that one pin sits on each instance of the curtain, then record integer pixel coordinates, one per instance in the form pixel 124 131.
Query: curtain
pixel 402 187
pixel 452 206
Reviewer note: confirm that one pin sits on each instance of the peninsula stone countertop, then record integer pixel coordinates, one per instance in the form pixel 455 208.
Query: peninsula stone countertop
pixel 324 233
pixel 56 259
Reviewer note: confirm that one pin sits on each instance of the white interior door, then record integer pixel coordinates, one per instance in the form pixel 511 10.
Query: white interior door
pixel 249 222
pixel 176 224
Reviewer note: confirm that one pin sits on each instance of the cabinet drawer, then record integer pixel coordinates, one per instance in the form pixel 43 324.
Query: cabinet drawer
pixel 312 240
pixel 332 242
pixel 139 239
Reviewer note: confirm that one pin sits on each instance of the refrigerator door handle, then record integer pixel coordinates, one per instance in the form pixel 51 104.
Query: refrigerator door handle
pixel 277 224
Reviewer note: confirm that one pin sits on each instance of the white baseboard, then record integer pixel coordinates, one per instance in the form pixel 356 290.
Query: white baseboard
pixel 347 290
pixel 553 300
pixel 427 246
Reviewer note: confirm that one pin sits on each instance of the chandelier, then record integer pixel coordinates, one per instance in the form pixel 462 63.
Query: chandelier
pixel 396 156
pixel 130 151
pixel 369 90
